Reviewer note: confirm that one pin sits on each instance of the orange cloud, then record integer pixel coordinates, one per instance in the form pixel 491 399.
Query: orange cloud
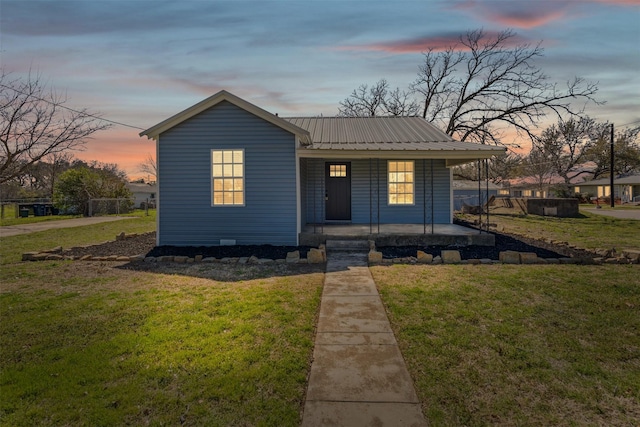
pixel 422 44
pixel 516 14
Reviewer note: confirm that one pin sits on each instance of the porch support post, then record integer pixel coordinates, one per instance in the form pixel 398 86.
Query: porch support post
pixel 322 196
pixel 378 196
pixel 424 196
pixel 486 163
pixel 432 206
pixel 480 193
pixel 310 164
pixel 370 197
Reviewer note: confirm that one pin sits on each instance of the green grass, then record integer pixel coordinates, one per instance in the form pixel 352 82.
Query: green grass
pixel 89 344
pixel 589 231
pixel 519 345
pixel 11 248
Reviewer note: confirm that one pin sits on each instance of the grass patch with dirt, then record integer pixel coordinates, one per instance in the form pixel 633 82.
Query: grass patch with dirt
pixel 11 248
pixel 519 345
pixel 93 344
pixel 589 231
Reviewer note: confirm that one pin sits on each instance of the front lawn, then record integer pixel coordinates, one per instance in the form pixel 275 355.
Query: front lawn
pixel 519 345
pixel 92 344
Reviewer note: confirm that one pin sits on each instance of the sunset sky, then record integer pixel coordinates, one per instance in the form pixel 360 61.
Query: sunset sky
pixel 138 62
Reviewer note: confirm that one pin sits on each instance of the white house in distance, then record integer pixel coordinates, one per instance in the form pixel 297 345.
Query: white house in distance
pixel 626 188
pixel 143 193
pixel 230 172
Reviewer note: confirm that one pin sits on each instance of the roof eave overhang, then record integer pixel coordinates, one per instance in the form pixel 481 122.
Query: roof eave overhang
pixel 155 131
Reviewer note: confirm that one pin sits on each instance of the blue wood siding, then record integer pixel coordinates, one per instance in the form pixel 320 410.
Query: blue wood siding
pixel 186 214
pixel 369 183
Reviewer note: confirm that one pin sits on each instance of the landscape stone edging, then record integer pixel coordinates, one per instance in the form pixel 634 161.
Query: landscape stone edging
pixel 319 256
pixel 603 256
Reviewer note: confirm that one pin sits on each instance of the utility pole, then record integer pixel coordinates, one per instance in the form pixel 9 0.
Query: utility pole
pixel 612 193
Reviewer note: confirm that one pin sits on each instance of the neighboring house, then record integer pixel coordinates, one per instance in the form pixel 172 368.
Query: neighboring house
pixel 143 193
pixel 470 193
pixel 627 188
pixel 230 172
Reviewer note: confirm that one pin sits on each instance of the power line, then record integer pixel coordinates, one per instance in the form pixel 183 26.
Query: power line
pixel 71 109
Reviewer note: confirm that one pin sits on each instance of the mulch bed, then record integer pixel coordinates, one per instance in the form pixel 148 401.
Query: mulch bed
pixel 145 244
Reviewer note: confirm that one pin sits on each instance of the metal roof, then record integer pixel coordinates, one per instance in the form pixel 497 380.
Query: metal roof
pixel 626 180
pixel 380 133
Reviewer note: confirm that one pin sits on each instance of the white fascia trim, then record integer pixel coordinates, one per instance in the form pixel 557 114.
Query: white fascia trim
pixel 452 157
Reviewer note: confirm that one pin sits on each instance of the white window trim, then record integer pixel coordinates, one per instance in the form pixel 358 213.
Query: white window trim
pixel 414 185
pixel 244 178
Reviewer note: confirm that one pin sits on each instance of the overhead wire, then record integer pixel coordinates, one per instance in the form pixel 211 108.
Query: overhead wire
pixel 70 109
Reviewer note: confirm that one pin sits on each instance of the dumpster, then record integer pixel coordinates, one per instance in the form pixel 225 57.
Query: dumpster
pixel 39 210
pixel 24 213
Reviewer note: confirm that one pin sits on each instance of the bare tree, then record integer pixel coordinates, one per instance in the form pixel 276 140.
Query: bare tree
pixel 378 100
pixel 484 83
pixel 538 165
pixel 501 168
pixel 149 166
pixel 566 144
pixel 35 124
pixel 626 151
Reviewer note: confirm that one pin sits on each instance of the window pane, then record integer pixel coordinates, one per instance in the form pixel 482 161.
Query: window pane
pixel 217 170
pixel 408 188
pixel 217 185
pixel 227 156
pixel 409 177
pixel 238 198
pixel 228 198
pixel 237 156
pixel 217 198
pixel 237 170
pixel 217 156
pixel 409 166
pixel 228 185
pixel 409 199
pixel 238 184
pixel 227 170
pixel 393 166
pixel 393 199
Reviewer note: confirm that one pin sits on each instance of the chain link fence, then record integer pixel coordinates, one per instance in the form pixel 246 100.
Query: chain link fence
pixel 104 206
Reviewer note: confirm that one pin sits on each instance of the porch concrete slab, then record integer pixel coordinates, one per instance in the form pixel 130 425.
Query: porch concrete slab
pixel 360 313
pixel 360 373
pixel 362 414
pixel 356 338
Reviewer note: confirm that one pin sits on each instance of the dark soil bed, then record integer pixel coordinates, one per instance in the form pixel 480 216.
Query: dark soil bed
pixel 145 244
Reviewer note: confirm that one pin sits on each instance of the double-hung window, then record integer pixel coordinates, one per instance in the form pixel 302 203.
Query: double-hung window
pixel 227 167
pixel 401 182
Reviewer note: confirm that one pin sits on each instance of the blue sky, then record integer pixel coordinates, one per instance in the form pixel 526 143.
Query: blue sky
pixel 139 62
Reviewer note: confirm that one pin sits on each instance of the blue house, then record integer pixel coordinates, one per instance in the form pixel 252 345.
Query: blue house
pixel 230 172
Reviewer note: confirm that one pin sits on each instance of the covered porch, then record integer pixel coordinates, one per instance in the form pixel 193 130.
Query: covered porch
pixel 397 234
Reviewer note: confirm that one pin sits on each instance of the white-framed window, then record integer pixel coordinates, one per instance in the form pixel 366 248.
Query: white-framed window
pixel 227 176
pixel 401 182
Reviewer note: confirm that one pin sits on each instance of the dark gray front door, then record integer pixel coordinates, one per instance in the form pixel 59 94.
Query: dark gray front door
pixel 338 191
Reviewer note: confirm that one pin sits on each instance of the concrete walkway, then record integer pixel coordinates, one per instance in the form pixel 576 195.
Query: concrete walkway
pixel 358 376
pixel 15 230
pixel 617 213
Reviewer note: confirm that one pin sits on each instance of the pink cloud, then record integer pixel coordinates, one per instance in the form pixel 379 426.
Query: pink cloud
pixel 422 44
pixel 523 19
pixel 517 14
